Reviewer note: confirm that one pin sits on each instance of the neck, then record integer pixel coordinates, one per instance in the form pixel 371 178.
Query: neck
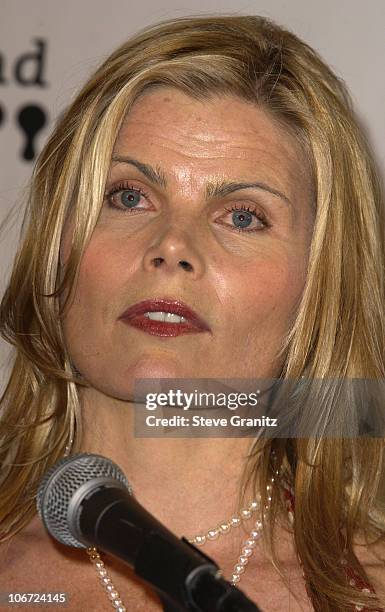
pixel 189 484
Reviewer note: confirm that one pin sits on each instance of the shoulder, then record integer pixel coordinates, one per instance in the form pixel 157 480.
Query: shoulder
pixel 32 562
pixel 15 552
pixel 372 559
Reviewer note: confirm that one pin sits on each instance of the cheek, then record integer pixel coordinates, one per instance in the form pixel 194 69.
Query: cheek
pixel 104 269
pixel 264 291
pixel 97 300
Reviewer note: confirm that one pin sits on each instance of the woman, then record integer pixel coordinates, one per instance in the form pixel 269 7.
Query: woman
pixel 213 168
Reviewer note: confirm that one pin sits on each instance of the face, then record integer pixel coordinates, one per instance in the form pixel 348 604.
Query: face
pixel 209 204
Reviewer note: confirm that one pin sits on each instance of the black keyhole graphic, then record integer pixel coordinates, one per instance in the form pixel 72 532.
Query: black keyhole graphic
pixel 31 119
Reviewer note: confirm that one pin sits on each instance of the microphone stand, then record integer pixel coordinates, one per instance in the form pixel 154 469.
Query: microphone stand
pixel 168 605
pixel 205 589
pixel 184 579
pixel 208 591
pixel 200 589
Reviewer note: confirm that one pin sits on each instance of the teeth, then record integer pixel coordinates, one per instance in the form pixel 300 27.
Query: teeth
pixel 167 317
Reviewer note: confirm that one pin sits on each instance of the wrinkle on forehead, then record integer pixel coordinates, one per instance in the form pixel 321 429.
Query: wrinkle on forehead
pixel 257 128
pixel 222 134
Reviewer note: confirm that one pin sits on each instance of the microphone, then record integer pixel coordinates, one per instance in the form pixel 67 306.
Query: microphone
pixel 85 500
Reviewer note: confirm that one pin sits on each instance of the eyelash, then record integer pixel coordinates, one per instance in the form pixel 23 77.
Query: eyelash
pixel 258 215
pixel 123 187
pixel 126 187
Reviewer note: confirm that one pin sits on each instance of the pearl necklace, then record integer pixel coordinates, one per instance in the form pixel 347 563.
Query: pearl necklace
pixel 214 533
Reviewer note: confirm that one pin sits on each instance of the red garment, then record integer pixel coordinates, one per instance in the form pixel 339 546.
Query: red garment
pixel 353 577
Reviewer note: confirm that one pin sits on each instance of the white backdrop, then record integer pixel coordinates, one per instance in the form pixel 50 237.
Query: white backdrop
pixel 49 47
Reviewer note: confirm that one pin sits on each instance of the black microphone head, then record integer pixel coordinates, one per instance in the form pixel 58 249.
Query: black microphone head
pixel 64 481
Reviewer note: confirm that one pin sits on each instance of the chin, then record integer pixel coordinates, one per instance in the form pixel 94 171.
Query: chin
pixel 123 384
pixel 150 367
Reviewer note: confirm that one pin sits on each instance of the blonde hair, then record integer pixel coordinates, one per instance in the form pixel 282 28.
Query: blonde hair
pixel 339 327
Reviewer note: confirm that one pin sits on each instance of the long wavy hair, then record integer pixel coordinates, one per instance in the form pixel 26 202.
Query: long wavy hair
pixel 338 331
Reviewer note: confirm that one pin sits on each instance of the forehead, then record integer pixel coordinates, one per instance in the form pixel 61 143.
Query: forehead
pixel 218 121
pixel 222 134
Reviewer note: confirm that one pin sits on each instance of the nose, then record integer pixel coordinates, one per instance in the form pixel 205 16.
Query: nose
pixel 172 252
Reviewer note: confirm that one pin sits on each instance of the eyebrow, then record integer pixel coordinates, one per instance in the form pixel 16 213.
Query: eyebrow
pixel 213 190
pixel 223 188
pixel 155 175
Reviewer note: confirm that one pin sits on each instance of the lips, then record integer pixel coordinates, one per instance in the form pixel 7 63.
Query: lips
pixel 135 316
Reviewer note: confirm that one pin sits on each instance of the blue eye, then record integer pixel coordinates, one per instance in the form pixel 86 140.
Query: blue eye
pixel 125 197
pixel 245 216
pixel 242 218
pixel 130 197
